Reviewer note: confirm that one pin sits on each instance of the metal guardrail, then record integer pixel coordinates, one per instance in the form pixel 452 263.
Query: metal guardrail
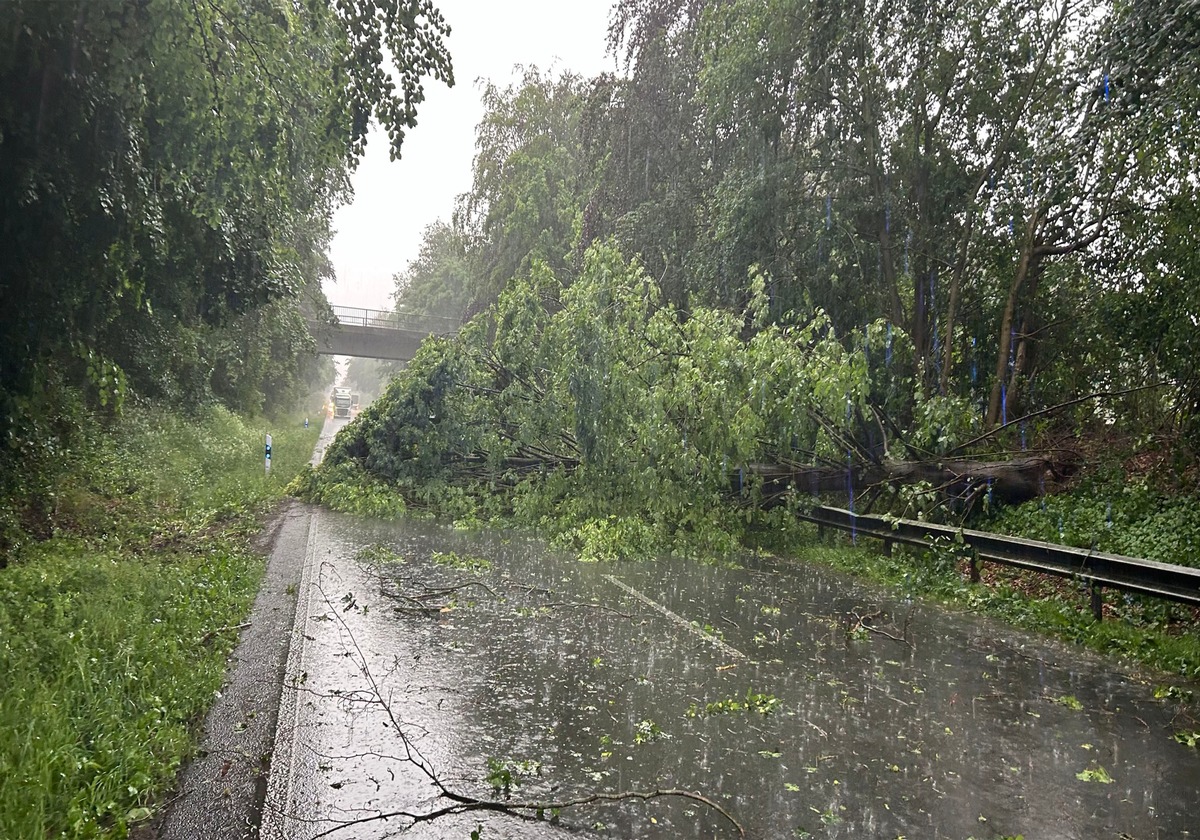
pixel 1100 569
pixel 392 320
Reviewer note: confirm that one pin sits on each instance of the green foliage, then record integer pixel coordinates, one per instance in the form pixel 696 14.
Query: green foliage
pixel 113 624
pixel 608 420
pixel 368 377
pixel 505 774
pixel 439 280
pixel 167 183
pixel 454 560
pixel 349 490
pixel 994 219
pixel 379 554
pixel 1109 512
pixel 1095 774
pixel 529 182
pixel 1188 738
pixel 1173 692
pixel 763 704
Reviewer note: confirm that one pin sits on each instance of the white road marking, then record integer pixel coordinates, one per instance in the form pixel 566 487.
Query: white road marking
pixel 679 620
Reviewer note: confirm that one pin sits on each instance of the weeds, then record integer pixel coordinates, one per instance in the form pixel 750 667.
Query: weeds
pixel 1059 612
pixel 106 641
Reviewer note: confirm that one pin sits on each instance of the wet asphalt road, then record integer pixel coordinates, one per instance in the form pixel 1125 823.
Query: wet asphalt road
pixel 749 684
pixel 806 704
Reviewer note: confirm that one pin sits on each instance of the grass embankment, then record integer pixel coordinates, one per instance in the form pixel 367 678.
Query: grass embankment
pixel 1106 512
pixel 115 629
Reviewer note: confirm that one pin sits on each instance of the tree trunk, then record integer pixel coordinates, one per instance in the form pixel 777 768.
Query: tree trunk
pixel 1012 481
pixel 1025 265
pixel 960 268
pixel 887 260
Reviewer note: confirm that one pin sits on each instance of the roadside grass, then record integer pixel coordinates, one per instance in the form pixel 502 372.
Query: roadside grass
pixel 114 631
pixel 1055 607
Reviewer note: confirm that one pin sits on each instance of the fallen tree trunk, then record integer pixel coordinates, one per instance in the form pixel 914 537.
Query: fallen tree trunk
pixel 1012 481
pixel 958 481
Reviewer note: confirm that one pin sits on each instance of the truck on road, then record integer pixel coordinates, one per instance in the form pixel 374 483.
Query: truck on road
pixel 340 398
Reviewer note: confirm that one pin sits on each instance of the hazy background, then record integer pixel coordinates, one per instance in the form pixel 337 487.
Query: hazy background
pixel 380 232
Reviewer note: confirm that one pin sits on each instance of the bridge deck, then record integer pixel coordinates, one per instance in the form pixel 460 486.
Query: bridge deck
pixel 378 333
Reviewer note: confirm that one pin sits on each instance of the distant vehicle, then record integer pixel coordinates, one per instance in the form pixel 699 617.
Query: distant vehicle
pixel 341 399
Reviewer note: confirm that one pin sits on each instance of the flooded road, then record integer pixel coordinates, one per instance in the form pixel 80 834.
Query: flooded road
pixel 803 702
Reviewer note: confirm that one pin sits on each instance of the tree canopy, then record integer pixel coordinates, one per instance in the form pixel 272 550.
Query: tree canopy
pixel 880 249
pixel 986 179
pixel 168 171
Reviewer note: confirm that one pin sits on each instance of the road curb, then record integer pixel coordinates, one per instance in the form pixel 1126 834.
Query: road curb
pixel 277 789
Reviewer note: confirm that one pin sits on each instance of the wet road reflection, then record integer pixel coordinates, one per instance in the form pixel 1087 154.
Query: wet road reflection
pixel 807 704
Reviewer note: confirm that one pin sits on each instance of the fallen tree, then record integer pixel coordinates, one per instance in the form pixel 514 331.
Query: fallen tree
pixel 598 403
pixel 962 480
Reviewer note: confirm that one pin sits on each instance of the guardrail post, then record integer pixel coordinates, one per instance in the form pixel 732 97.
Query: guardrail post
pixel 887 548
pixel 820 532
pixel 976 566
pixel 1097 601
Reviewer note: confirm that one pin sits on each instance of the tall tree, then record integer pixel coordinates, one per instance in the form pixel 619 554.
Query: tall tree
pixel 438 281
pixel 525 202
pixel 168 168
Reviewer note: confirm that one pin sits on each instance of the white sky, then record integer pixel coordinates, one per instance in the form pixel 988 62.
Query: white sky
pixel 380 232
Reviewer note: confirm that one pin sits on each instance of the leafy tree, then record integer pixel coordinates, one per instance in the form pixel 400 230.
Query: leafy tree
pixel 610 418
pixel 644 141
pixel 438 281
pixel 945 192
pixel 168 170
pixel 525 203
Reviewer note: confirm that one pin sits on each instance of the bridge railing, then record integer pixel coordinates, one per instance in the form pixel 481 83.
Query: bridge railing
pixel 392 320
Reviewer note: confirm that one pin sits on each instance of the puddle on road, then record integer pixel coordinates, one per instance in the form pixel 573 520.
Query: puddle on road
pixel 773 689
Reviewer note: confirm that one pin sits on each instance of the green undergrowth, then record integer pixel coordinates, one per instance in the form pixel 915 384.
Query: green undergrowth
pixel 349 489
pixel 118 611
pixel 1108 511
pixel 1136 634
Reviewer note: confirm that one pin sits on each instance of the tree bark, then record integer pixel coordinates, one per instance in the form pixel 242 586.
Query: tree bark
pixel 1011 481
pixel 1025 264
pixel 960 268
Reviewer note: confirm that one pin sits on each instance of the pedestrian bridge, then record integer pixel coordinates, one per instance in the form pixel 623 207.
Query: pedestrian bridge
pixel 377 333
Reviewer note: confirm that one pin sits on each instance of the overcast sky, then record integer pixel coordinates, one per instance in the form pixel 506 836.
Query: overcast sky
pixel 380 232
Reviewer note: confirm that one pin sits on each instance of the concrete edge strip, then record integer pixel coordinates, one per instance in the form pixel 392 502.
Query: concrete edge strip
pixel 277 806
pixel 675 618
